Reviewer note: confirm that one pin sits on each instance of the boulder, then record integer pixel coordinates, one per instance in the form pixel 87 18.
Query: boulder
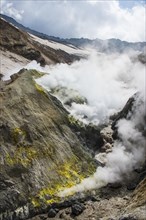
pixel 52 213
pixel 128 217
pixel 77 209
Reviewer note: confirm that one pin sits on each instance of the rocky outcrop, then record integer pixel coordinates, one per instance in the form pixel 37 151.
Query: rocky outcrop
pixel 135 210
pixel 142 58
pixel 89 134
pixel 126 112
pixel 39 154
pixel 139 195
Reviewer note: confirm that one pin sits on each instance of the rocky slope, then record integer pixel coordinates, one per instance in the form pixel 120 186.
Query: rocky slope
pixel 39 153
pixel 20 42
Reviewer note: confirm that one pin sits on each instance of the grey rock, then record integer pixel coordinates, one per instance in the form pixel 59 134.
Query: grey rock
pixel 128 217
pixel 52 213
pixel 77 209
pixel 126 112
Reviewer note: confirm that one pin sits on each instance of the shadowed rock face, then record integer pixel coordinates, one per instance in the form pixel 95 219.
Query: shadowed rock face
pixel 39 153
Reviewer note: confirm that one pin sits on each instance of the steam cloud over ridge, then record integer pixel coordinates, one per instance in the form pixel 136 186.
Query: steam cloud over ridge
pixel 106 81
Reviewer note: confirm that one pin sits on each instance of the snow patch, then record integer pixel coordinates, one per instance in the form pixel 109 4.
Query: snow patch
pixel 59 46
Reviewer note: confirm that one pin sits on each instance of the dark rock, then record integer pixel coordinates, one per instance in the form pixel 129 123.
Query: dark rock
pixel 132 186
pixel 64 204
pixel 11 198
pixel 4 184
pixel 32 210
pixel 91 198
pixel 52 213
pixel 16 75
pixel 78 100
pixel 98 163
pixel 67 212
pixel 142 176
pixel 77 209
pixel 127 218
pixel 115 185
pixel 5 132
pixel 135 183
pixel 9 183
pixel 43 217
pixel 32 54
pixel 17 170
pixel 1 76
pixel 89 134
pixel 142 58
pixel 15 216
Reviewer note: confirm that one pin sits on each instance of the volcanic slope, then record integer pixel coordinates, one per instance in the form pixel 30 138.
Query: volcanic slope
pixel 39 153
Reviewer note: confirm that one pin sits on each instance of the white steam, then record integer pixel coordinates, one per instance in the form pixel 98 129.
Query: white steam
pixel 106 81
pixel 126 155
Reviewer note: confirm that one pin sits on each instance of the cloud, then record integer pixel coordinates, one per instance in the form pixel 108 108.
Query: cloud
pixel 9 9
pixel 91 19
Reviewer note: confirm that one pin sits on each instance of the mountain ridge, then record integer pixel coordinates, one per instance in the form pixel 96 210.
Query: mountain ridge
pixel 109 45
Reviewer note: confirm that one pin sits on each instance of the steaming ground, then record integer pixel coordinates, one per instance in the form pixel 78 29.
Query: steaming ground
pixel 106 81
pixel 127 154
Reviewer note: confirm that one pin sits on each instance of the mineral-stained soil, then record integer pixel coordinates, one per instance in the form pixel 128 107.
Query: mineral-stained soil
pixel 39 153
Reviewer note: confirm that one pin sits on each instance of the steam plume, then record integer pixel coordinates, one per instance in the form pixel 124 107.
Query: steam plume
pixel 106 81
pixel 127 154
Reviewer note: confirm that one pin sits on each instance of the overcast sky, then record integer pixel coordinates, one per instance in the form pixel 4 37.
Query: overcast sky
pixel 102 19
